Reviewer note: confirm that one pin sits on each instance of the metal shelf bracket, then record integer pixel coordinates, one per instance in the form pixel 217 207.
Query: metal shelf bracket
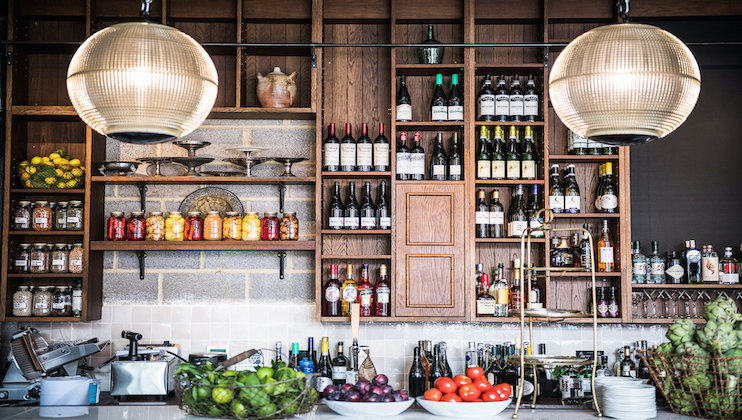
pixel 142 194
pixel 141 255
pixel 314 58
pixel 281 195
pixel 281 263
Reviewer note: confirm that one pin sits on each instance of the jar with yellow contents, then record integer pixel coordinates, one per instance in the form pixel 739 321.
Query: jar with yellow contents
pixel 232 225
pixel 251 227
pixel 174 227
pixel 213 226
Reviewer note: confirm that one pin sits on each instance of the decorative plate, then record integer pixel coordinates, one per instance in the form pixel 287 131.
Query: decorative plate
pixel 211 199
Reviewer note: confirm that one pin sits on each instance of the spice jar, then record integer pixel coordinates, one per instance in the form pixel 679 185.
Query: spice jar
pixel 59 259
pixel 194 226
pixel 22 301
pixel 42 216
pixel 155 226
pixel 75 258
pixel 232 225
pixel 174 226
pixel 116 226
pixel 77 299
pixel 74 215
pixel 60 305
pixel 289 227
pixel 251 227
pixel 22 259
pixel 136 226
pixel 42 301
pixel 39 262
pixel 60 216
pixel 269 227
pixel 213 226
pixel 22 216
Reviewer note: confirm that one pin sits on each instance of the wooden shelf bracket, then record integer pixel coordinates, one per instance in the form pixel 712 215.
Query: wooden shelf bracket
pixel 141 255
pixel 281 263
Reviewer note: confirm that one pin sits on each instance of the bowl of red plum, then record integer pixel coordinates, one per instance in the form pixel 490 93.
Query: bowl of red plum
pixel 375 398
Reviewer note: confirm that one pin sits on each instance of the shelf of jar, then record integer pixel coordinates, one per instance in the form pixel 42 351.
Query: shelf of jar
pixel 46 232
pixel 354 174
pixel 46 275
pixel 206 179
pixel 531 123
pixel 587 215
pixel 356 231
pixel 227 245
pixel 303 113
pixel 357 257
pixel 582 158
pixel 43 319
pixel 47 191
pixel 506 240
pixel 346 319
pixel 508 181
pixel 515 319
pixel 556 273
pixel 686 286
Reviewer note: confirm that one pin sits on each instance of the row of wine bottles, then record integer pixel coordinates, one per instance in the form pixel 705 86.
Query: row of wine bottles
pixel 514 160
pixel 490 219
pixel 367 215
pixel 564 194
pixel 443 166
pixel 349 154
pixel 374 300
pixel 442 107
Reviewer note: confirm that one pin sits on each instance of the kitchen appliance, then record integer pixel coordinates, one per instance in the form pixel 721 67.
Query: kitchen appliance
pixel 198 359
pixel 33 358
pixel 143 373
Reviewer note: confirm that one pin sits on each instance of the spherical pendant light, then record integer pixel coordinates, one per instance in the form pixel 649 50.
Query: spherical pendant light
pixel 142 82
pixel 624 84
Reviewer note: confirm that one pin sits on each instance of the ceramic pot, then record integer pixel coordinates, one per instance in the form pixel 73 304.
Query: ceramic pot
pixel 275 89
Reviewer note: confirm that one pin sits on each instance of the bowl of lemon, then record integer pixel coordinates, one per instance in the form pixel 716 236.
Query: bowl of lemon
pixel 58 170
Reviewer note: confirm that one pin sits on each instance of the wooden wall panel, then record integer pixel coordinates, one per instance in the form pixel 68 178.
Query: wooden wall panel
pixel 507 33
pixel 418 32
pixel 278 10
pixel 198 9
pixel 343 10
pixel 429 10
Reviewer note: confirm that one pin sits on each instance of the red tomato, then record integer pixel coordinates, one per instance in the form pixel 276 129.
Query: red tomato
pixel 490 396
pixel 433 394
pixel 451 398
pixel 482 385
pixel 474 372
pixel 504 389
pixel 461 380
pixel 477 400
pixel 446 385
pixel 469 392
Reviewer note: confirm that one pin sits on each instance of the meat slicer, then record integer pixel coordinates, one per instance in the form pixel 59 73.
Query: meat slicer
pixel 32 358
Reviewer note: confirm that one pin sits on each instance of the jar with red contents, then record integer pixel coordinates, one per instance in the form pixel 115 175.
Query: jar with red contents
pixel 116 227
pixel 136 226
pixel 194 226
pixel 269 227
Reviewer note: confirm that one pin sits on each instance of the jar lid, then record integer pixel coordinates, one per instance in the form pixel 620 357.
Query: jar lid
pixel 75 202
pixel 232 213
pixel 174 213
pixel 77 245
pixel 214 212
pixel 270 214
pixel 137 213
pixel 63 203
pixel 289 214
pixel 194 213
pixel 23 288
pixel 117 213
pixel 155 213
pixel 39 245
pixel 60 245
pixel 42 203
pixel 44 288
pixel 60 288
pixel 252 213
pixel 24 246
pixel 24 203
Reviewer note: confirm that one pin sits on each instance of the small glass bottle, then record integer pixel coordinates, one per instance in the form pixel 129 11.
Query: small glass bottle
pixel 289 230
pixel 75 215
pixel 59 302
pixel 657 266
pixel 77 299
pixel 174 227
pixel 194 226
pixel 22 259
pixel 75 258
pixel 613 309
pixel 60 216
pixel 155 226
pixel 269 226
pixel 22 301
pixel 42 216
pixel 232 226
pixel 602 302
pixel 22 216
pixel 729 268
pixel 673 268
pixel 42 301
pixel 59 259
pixel 136 226
pixel 251 227
pixel 116 227
pixel 563 255
pixel 213 226
pixel 638 264
pixel 39 259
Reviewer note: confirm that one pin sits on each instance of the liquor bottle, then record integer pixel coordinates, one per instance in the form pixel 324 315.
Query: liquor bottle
pixel 528 157
pixel 692 258
pixel 481 216
pixel 349 291
pixel 382 293
pixel 471 354
pixel 535 296
pixel 368 210
pixel 323 379
pixel 364 151
pixel 352 214
pixel 438 105
pixel 486 101
pixel 585 250
pixel 605 251
pixel 416 380
pixel 517 217
pixel 439 160
pixel 673 268
pixel 496 217
pixel 571 191
pixel 332 150
pixel 383 213
pixel 601 179
pixel 311 353
pixel 294 357
pixel 563 255
pixel 638 264
pixel 502 100
pixel 534 206
pixel 404 103
pixel 627 366
pixel 607 191
pixel 516 100
pixel 436 370
pixel 613 308
pixel 425 363
pixel 515 294
pixel 336 212
pixel 479 270
pixel 485 302
pixel 448 373
pixel 331 294
pixel 710 266
pixel 510 371
pixel 729 268
pixel 403 158
pixel 339 366
pixel 512 156
pixel 279 351
pixel 556 193
pixel 656 266
pixel 365 293
pixel 381 151
pixel 493 372
pixel 502 292
pixel 498 154
pixel 576 145
pixel 455 101
pixel 642 372
pixel 454 159
pixel 417 160
pixel 483 155
pixel 428 346
pixel 348 151
pixel 530 100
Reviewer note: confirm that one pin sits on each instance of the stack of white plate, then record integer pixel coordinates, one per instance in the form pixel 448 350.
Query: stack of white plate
pixel 625 398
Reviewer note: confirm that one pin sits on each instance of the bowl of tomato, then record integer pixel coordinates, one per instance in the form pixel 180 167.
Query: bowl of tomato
pixel 464 391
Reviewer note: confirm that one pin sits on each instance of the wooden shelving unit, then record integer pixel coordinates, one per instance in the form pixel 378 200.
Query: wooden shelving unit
pixel 202 246
pixel 205 179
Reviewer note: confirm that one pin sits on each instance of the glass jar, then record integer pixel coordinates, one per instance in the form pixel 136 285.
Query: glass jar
pixel 194 226
pixel 39 262
pixel 77 299
pixel 60 304
pixel 22 301
pixel 75 258
pixel 22 215
pixel 59 259
pixel 42 216
pixel 289 227
pixel 174 226
pixel 60 216
pixel 269 226
pixel 251 227
pixel 42 301
pixel 22 259
pixel 155 226
pixel 74 215
pixel 116 227
pixel 136 226
pixel 232 226
pixel 213 226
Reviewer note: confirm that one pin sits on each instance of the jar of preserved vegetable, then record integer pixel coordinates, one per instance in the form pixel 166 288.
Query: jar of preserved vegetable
pixel 136 226
pixel 42 301
pixel 74 215
pixel 194 226
pixel 116 227
pixel 213 226
pixel 22 215
pixel 59 302
pixel 232 225
pixel 42 216
pixel 22 259
pixel 22 301
pixel 174 227
pixel 155 226
pixel 60 216
pixel 269 226
pixel 251 227
pixel 75 259
pixel 39 262
pixel 77 299
pixel 289 227
pixel 59 259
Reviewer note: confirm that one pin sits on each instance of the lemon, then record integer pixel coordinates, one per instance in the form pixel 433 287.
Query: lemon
pixel 53 156
pixel 75 162
pixel 25 176
pixel 76 171
pixel 36 160
pixel 50 180
pixel 24 163
pixel 61 184
pixel 28 184
pixel 68 176
pixel 72 183
pixel 31 169
pixel 64 161
pixel 60 172
pixel 57 161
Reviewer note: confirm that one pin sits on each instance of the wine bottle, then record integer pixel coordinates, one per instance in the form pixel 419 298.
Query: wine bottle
pixel 517 217
pixel 383 214
pixel 483 155
pixel 534 206
pixel 502 100
pixel 571 191
pixel 556 193
pixel 294 357
pixel 404 103
pixel 496 216
pixel 365 293
pixel 516 99
pixel 332 150
pixel 438 105
pixel 528 157
pixel 352 214
pixel 512 156
pixel 607 192
pixel 439 160
pixel 481 215
pixel 364 151
pixel 331 294
pixel 382 293
pixel 605 251
pixel 498 154
pixel 336 212
pixel 417 160
pixel 585 250
pixel 486 101
pixel 349 291
pixel 436 369
pixel 403 158
pixel 454 159
pixel 448 373
pixel 455 101
pixel 339 366
pixel 323 379
pixel 381 151
pixel 368 210
pixel 530 100
pixel 692 260
pixel 348 151
pixel 417 378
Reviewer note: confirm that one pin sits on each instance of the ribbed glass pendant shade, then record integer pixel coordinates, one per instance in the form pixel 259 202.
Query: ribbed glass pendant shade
pixel 142 82
pixel 624 84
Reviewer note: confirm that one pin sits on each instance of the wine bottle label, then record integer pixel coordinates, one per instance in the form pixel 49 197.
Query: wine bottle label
pixel 36 263
pixel 572 202
pixel 350 294
pixel 455 113
pixel 332 154
pixel 608 202
pixel 502 296
pixel 336 222
pixel 498 169
pixel 417 164
pixel 439 113
pixel 404 112
pixel 513 169
pixel 383 294
pixel 439 170
pixel 658 268
pixel 365 154
pixel 640 268
pixel 381 154
pixel 20 263
pixel 710 269
pixel 483 169
pixel 603 309
pixel 338 372
pixel 502 105
pixel 332 294
pixel 486 105
pixel 535 223
pixel 21 221
pixel 730 278
pixel 533 300
pixel 528 168
pixel 516 105
pixel 385 222
pixel 482 217
pixel 675 271
pixel 351 222
pixel 348 154
pixel 322 382
pixel 19 305
pixel 530 105
pixel 613 309
pixel 598 203
pixel 606 254
pixel 497 218
pixel 515 229
pixel 485 307
pixel 368 222
pixel 454 170
pixel 403 163
pixel 366 297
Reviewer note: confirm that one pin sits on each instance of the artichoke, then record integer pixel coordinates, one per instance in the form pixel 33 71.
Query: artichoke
pixel 695 361
pixel 732 366
pixel 681 331
pixel 697 384
pixel 682 402
pixel 723 310
pixel 717 338
pixel 719 406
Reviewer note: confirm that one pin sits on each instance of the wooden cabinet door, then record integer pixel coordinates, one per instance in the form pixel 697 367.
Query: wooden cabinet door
pixel 429 250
